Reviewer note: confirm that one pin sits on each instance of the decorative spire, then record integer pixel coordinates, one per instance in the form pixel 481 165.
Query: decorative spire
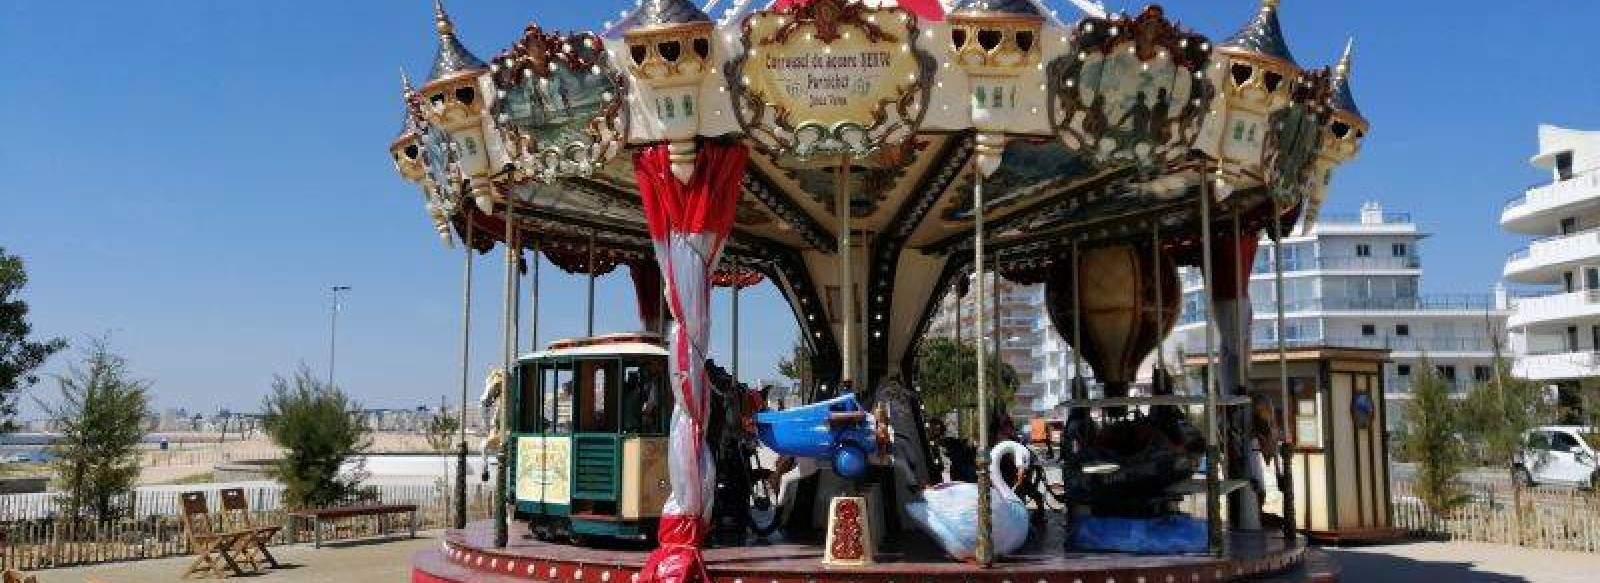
pixel 1344 99
pixel 1263 35
pixel 405 83
pixel 452 57
pixel 662 12
pixel 1014 7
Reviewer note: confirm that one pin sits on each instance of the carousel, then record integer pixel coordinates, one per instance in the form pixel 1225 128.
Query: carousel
pixel 867 157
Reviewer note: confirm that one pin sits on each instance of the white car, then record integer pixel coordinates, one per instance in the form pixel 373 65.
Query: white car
pixel 1560 454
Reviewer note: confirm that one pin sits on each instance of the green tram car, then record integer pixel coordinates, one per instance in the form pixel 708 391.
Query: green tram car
pixel 589 437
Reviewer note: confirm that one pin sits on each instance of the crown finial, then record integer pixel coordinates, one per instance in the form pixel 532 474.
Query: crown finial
pixel 1342 70
pixel 441 20
pixel 1269 4
pixel 405 82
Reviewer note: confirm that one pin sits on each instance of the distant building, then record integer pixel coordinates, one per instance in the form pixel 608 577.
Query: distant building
pixel 1352 281
pixel 1013 311
pixel 1556 329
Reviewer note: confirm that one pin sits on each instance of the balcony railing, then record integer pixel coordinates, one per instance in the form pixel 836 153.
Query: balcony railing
pixel 1356 219
pixel 1557 243
pixel 1551 193
pixel 1266 307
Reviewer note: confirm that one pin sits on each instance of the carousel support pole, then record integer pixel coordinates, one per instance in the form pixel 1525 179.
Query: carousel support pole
pixel 1161 306
pixel 985 551
pixel 1213 487
pixel 847 304
pixel 501 495
pixel 588 308
pixel 1285 458
pixel 1245 506
pixel 1080 387
pixel 533 297
pixel 734 339
pixel 460 519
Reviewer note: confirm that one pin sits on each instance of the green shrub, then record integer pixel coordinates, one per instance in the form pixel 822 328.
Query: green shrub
pixel 320 428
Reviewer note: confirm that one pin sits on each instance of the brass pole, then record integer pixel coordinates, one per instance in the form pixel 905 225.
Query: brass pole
pixel 847 304
pixel 501 529
pixel 466 356
pixel 1285 476
pixel 533 298
pixel 589 307
pixel 734 330
pixel 985 551
pixel 1213 487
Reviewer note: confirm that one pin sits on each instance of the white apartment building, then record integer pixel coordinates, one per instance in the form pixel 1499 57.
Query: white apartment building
pixel 1556 328
pixel 1013 310
pixel 1353 281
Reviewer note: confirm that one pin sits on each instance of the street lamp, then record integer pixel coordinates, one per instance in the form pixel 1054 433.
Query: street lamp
pixel 333 328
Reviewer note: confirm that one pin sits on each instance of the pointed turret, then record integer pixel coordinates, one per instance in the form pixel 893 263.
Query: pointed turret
pixel 651 13
pixel 1262 35
pixel 1344 101
pixel 405 149
pixel 453 57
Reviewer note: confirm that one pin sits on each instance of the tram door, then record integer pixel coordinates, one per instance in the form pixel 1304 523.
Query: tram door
pixel 644 412
pixel 542 480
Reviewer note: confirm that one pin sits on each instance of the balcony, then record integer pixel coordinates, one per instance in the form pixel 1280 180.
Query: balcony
pixel 1540 208
pixel 1428 344
pixel 1266 309
pixel 1544 259
pixel 1556 308
pixel 1558 366
pixel 1190 278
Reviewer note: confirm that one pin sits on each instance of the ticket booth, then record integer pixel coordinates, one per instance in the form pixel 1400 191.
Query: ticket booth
pixel 1339 447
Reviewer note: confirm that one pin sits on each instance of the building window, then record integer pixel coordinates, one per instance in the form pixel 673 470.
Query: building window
pixel 1564 165
pixel 1402 329
pixel 1402 370
pixel 1363 250
pixel 1398 249
pixel 1481 373
pixel 1447 372
pixel 1568 225
pixel 1369 330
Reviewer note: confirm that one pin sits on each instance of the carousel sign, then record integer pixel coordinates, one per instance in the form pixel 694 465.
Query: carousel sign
pixel 830 77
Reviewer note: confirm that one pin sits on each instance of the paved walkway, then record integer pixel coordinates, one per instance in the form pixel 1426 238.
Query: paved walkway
pixel 377 560
pixel 380 560
pixel 1463 562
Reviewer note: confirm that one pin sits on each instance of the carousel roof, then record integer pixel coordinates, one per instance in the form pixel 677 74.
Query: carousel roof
pixel 659 12
pixel 1344 99
pixel 1263 35
pixel 1018 7
pixel 453 57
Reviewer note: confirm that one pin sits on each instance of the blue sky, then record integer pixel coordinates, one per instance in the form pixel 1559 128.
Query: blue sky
pixel 189 177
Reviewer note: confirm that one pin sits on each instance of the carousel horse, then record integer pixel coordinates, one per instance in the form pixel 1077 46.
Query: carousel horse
pixel 493 387
pixel 949 512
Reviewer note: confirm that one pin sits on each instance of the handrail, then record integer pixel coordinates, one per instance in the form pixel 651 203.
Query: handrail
pixel 1522 198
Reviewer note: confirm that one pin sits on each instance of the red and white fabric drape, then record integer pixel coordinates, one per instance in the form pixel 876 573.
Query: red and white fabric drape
pixel 688 225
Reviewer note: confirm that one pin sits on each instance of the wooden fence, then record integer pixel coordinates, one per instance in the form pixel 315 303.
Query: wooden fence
pixel 1551 518
pixel 155 530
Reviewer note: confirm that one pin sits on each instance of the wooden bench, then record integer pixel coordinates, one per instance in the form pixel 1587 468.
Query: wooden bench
pixel 320 515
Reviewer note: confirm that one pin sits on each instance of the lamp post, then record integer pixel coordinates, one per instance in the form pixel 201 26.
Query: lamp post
pixel 333 328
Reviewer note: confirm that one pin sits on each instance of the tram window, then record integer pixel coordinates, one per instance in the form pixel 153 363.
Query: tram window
pixel 645 402
pixel 557 405
pixel 596 390
pixel 528 381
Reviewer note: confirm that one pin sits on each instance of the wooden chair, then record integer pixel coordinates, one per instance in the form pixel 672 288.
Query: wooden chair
pixel 215 549
pixel 15 576
pixel 236 514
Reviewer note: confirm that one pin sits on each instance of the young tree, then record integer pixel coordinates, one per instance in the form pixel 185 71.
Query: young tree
pixel 441 436
pixel 320 428
pixel 19 356
pixel 1432 438
pixel 101 417
pixel 947 379
pixel 797 365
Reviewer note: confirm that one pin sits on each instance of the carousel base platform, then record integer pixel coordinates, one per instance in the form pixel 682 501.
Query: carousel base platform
pixel 469 555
